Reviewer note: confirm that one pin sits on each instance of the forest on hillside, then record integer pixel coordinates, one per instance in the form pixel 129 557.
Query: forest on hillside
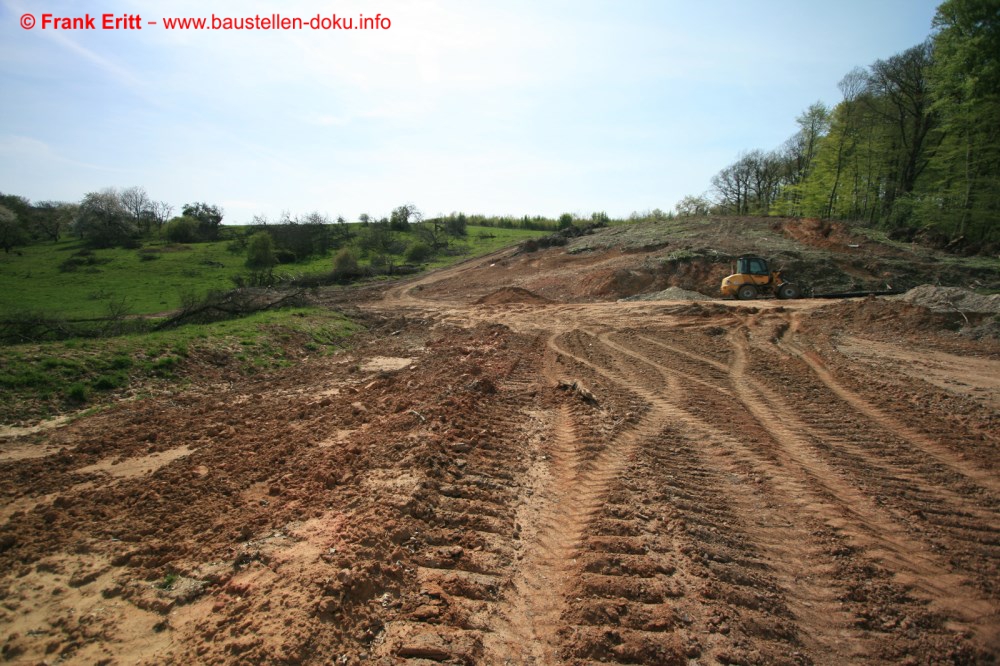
pixel 913 146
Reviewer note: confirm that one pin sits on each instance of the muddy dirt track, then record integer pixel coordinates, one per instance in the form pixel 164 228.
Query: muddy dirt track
pixel 492 478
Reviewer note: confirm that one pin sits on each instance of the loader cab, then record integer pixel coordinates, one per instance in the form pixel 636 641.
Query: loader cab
pixel 752 266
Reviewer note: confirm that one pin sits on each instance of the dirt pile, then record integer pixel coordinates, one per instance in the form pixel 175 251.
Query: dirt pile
pixel 508 295
pixel 951 299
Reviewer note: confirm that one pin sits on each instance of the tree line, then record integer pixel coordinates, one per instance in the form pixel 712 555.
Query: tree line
pixel 913 146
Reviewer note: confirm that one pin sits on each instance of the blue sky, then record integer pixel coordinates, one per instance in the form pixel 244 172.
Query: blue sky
pixel 516 107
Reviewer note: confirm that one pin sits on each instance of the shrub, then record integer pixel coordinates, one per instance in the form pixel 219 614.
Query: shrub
pixel 418 252
pixel 285 256
pixel 78 392
pixel 260 252
pixel 182 230
pixel 108 382
pixel 345 262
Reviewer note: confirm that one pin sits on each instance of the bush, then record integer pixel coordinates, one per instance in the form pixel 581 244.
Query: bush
pixel 260 252
pixel 285 256
pixel 345 262
pixel 182 230
pixel 419 252
pixel 108 382
pixel 78 392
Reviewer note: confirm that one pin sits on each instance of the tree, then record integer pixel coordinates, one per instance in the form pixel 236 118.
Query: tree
pixel 962 195
pixel 403 216
pixel 456 225
pixel 260 252
pixel 51 218
pixel 12 232
pixel 379 239
pixel 209 219
pixel 102 220
pixel 137 203
pixel 159 213
pixel 693 206
pixel 565 220
pixel 181 230
pixel 732 185
pixel 899 93
pixel 814 123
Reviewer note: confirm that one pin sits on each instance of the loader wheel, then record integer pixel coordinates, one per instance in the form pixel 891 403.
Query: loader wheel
pixel 788 291
pixel 747 292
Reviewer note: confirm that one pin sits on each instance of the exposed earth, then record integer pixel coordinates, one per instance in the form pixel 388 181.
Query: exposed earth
pixel 512 467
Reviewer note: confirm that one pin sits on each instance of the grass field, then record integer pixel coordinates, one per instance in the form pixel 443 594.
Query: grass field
pixel 40 380
pixel 33 281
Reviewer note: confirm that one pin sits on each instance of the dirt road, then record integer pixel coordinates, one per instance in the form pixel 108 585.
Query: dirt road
pixel 523 482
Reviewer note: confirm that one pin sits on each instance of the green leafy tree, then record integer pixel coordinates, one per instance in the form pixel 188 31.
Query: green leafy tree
pixel 457 225
pixel 181 230
pixel 403 216
pixel 962 195
pixel 209 219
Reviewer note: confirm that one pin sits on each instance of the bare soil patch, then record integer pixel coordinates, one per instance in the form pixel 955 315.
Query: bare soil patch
pixel 769 483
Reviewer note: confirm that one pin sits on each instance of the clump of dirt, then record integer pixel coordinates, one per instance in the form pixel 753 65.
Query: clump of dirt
pixel 950 299
pixel 825 234
pixel 508 295
pixel 671 294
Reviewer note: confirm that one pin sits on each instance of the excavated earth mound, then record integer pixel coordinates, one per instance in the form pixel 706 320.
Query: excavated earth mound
pixel 511 295
pixel 950 299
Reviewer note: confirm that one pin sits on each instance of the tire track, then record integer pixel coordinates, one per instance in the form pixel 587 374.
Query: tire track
pixel 869 526
pixel 571 490
pixel 805 577
pixel 932 501
pixel 929 446
pixel 839 505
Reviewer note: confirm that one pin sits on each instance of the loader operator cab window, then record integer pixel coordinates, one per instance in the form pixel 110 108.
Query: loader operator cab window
pixel 758 267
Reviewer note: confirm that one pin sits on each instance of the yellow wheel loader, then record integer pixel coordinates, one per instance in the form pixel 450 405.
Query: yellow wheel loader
pixel 752 278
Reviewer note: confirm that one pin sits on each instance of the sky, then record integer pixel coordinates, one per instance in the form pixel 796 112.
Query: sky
pixel 521 107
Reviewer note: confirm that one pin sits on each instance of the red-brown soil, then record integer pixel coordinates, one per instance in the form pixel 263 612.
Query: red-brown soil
pixel 769 483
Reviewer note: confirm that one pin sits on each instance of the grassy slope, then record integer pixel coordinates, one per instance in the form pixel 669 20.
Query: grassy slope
pixel 41 380
pixel 33 281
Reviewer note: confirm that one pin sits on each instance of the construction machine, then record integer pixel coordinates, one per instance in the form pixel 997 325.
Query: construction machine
pixel 752 278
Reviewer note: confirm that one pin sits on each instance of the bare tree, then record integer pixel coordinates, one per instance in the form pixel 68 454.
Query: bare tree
pixel 137 203
pixel 160 212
